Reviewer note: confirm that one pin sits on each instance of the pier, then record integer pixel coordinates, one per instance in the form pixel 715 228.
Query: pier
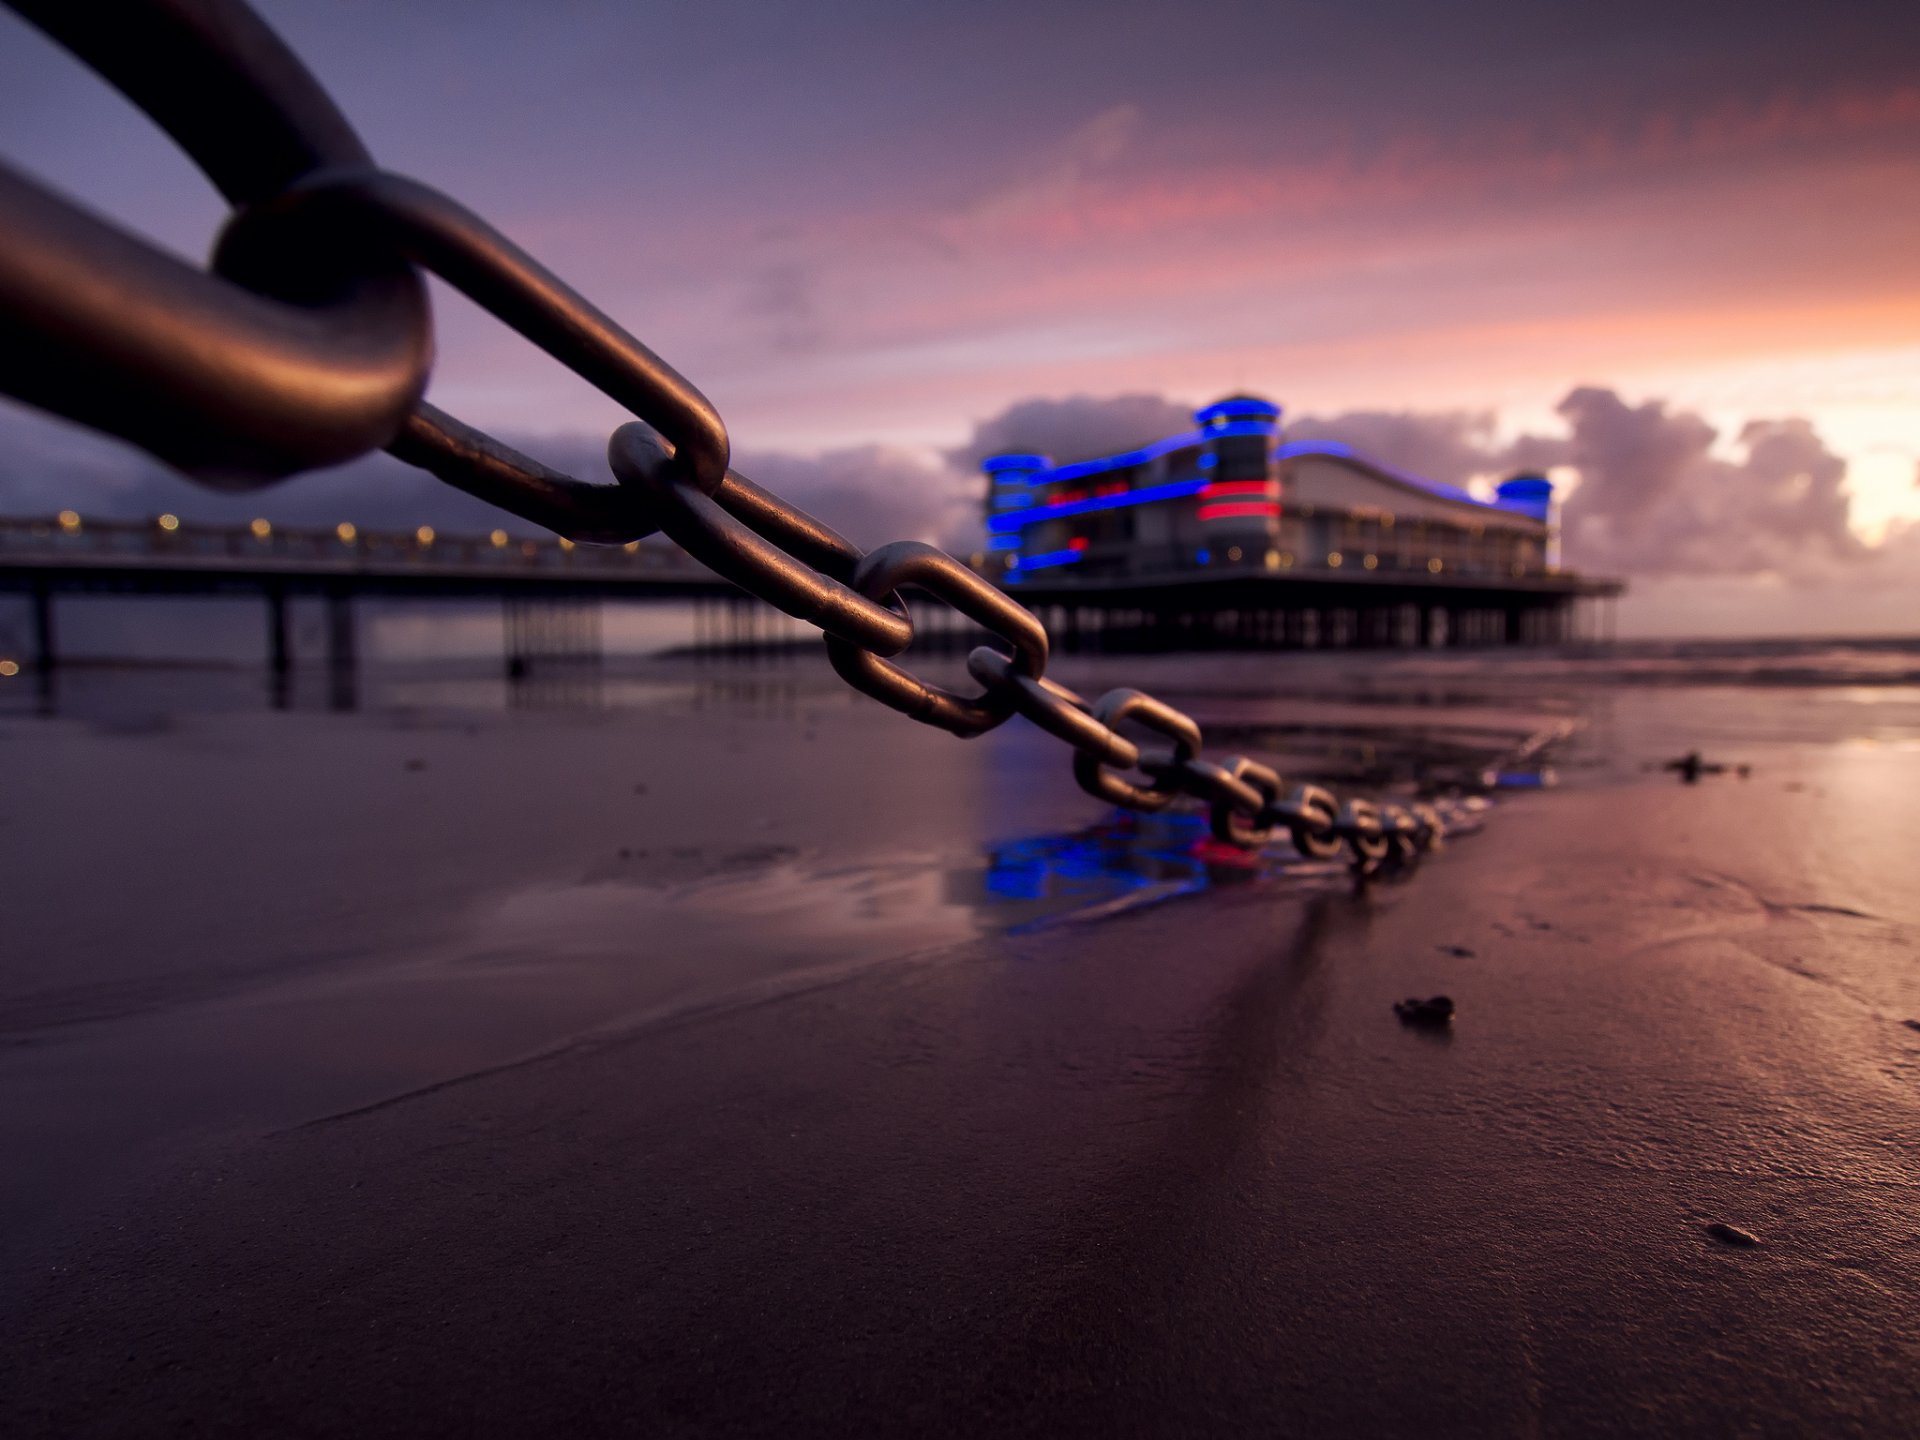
pixel 550 591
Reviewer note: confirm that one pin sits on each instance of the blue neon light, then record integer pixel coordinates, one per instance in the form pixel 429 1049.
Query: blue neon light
pixel 994 464
pixel 1317 447
pixel 1120 462
pixel 1003 542
pixel 1047 560
pixel 1172 490
pixel 1201 557
pixel 1529 495
pixel 1237 407
pixel 1208 460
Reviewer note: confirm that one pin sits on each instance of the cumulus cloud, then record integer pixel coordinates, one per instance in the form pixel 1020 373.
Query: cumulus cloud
pixel 1452 446
pixel 1653 499
pixel 874 493
pixel 1077 427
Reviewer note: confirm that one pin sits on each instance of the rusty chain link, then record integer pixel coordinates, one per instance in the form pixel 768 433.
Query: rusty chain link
pixel 308 342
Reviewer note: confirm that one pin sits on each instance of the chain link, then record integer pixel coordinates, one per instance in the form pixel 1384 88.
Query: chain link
pixel 308 341
pixel 937 574
pixel 764 546
pixel 235 382
pixel 374 213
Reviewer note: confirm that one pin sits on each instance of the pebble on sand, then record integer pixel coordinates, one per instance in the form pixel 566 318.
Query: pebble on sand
pixel 1731 1234
pixel 1435 1011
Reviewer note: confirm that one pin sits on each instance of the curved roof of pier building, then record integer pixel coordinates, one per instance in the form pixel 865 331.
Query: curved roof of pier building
pixel 1326 472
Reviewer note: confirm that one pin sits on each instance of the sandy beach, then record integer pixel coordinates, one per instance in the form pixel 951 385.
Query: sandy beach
pixel 743 1060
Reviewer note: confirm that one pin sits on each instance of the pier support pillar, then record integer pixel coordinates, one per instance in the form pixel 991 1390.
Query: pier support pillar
pixel 279 649
pixel 46 657
pixel 343 658
pixel 553 647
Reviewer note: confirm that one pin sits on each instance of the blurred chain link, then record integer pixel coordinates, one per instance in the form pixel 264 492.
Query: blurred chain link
pixel 308 341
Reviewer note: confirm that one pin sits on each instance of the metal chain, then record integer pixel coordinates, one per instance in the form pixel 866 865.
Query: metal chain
pixel 308 341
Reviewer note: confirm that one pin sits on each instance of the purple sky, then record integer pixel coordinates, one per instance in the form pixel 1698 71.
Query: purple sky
pixel 869 229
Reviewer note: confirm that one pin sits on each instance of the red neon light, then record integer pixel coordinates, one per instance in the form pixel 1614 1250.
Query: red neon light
pixel 1238 509
pixel 1237 487
pixel 1078 542
pixel 1214 853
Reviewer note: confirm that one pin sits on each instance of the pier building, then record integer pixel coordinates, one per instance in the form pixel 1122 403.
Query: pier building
pixel 1232 530
pixel 1230 495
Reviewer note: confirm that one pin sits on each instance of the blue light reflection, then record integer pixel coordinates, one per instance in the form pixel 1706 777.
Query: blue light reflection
pixel 1130 859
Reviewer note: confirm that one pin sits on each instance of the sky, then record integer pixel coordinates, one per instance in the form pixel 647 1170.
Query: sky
pixel 1667 251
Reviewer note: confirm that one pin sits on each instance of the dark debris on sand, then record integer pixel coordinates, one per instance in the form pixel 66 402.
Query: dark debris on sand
pixel 1690 767
pixel 1431 1013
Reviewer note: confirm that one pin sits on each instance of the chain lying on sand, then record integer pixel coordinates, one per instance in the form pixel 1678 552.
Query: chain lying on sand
pixel 308 342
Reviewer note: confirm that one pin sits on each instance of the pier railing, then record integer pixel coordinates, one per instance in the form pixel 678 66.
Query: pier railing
pixel 166 542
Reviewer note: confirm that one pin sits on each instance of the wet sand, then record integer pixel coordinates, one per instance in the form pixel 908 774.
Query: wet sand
pixel 670 1143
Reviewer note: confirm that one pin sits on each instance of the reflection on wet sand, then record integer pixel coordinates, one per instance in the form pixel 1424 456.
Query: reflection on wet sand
pixel 1125 860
